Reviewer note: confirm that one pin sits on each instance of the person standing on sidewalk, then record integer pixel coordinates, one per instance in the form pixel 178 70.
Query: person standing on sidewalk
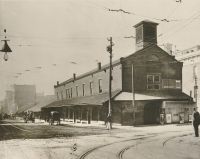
pixel 195 122
pixel 109 122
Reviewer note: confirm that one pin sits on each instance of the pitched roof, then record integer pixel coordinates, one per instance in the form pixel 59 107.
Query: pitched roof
pixel 42 102
pixel 106 66
pixel 149 47
pixel 145 22
pixel 114 63
pixel 98 99
pixel 153 95
pixel 25 108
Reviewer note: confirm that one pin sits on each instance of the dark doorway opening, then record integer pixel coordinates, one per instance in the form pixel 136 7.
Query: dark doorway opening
pixel 152 112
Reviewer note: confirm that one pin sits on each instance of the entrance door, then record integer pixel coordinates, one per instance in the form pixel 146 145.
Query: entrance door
pixel 152 113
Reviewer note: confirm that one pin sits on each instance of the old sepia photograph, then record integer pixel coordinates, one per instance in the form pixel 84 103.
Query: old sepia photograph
pixel 99 79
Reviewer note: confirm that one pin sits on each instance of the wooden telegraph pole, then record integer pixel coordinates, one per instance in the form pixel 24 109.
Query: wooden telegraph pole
pixel 196 86
pixel 109 117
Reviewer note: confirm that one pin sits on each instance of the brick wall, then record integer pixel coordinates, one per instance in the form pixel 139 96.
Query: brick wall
pixel 103 75
pixel 145 63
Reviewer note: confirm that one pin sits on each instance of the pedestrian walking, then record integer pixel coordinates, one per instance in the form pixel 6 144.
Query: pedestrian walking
pixel 196 118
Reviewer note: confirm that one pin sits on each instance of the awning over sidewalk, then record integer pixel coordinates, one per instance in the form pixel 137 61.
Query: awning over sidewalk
pixel 95 100
pixel 153 95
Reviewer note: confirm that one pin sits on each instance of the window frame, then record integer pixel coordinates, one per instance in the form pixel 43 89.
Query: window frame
pixel 91 87
pixel 83 87
pixel 100 84
pixel 154 82
pixel 71 92
pixel 77 90
pixel 57 95
pixel 61 93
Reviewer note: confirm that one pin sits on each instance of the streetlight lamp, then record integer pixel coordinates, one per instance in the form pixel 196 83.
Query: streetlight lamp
pixel 5 48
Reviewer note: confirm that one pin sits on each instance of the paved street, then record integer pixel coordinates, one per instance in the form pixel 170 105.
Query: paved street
pixel 39 140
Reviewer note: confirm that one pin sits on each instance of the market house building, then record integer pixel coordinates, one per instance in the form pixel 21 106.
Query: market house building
pixel 145 86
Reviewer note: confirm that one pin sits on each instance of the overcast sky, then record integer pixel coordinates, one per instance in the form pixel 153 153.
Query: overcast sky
pixel 52 39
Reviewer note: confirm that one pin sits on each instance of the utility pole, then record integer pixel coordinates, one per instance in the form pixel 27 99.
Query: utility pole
pixel 109 117
pixel 133 93
pixel 196 86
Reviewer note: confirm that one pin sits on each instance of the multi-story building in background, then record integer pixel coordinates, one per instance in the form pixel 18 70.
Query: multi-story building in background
pixel 21 97
pixel 9 102
pixel 24 95
pixel 1 106
pixel 191 71
pixel 146 86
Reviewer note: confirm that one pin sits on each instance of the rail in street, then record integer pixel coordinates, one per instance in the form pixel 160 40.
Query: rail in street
pixel 127 146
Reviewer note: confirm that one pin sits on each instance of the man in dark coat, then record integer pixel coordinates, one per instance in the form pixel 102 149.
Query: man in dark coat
pixel 196 118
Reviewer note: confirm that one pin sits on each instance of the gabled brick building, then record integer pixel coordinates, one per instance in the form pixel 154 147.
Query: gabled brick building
pixel 145 85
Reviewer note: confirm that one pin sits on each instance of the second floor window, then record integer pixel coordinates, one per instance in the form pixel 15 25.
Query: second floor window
pixel 83 89
pixel 171 83
pixel 67 93
pixel 91 88
pixel 153 81
pixel 71 93
pixel 100 86
pixel 61 95
pixel 77 91
pixel 57 96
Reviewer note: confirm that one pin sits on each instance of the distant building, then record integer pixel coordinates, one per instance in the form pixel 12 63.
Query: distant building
pixel 24 95
pixel 9 102
pixel 1 106
pixel 191 71
pixel 146 87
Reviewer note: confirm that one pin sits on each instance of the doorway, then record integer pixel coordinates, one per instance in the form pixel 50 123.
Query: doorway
pixel 152 112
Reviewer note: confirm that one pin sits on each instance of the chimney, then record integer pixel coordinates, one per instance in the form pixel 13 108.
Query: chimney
pixel 74 76
pixel 57 83
pixel 99 65
pixel 146 34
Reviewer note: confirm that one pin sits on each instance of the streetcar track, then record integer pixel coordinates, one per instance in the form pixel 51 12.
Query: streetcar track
pixel 11 131
pixel 122 151
pixel 19 128
pixel 120 154
pixel 173 137
pixel 16 127
pixel 100 146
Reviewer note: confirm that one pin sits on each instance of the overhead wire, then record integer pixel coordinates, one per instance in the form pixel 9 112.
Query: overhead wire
pixel 100 6
pixel 173 11
pixel 179 28
pixel 121 11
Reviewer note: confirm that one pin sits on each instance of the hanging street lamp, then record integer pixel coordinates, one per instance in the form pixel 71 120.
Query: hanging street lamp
pixel 6 49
